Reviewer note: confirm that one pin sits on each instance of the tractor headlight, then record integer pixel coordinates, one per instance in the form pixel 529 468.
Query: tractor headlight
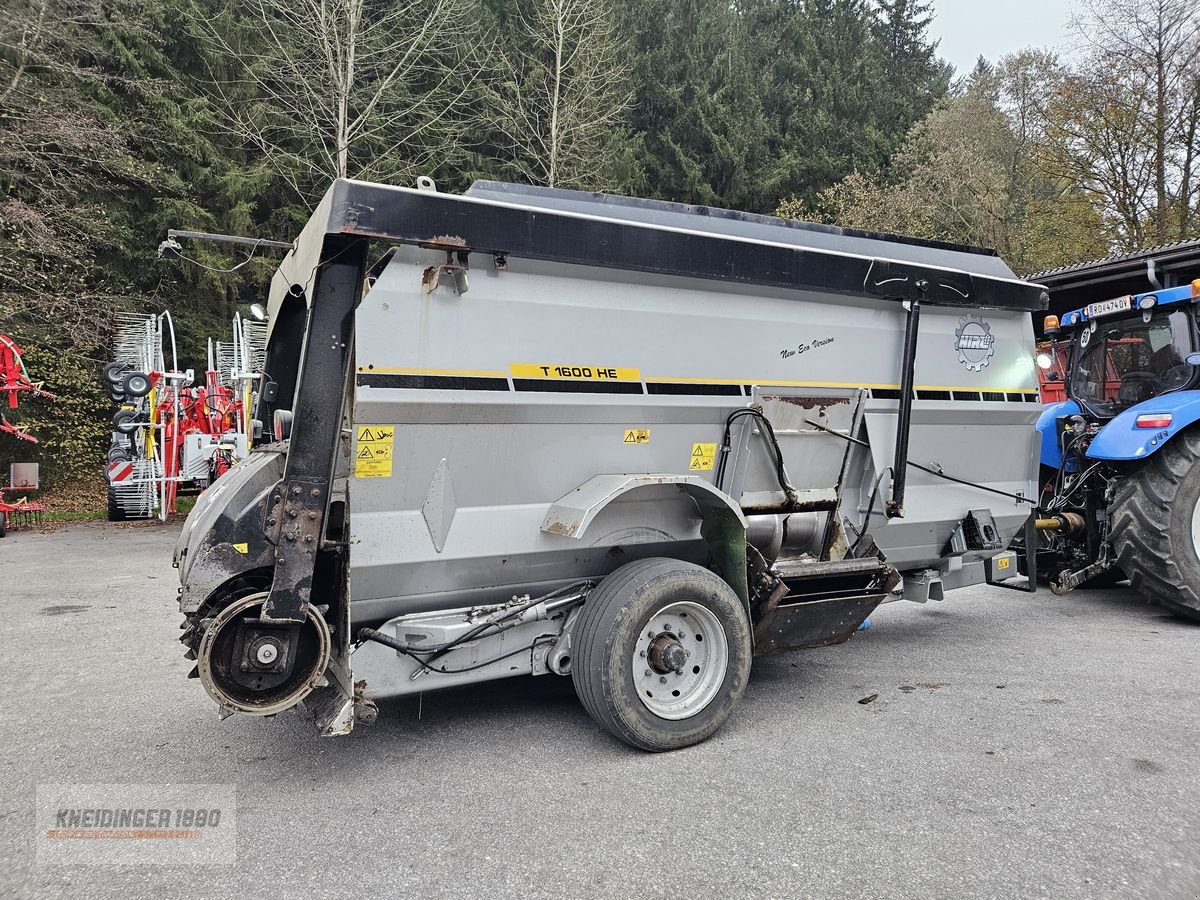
pixel 1044 361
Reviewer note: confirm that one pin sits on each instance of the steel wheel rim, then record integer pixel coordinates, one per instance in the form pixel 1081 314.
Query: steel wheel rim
pixel 1196 528
pixel 683 693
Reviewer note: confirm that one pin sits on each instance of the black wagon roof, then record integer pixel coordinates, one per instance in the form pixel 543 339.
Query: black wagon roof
pixel 651 236
pixel 755 226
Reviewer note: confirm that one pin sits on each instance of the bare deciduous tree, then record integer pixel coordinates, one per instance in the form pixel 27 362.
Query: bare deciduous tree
pixel 346 88
pixel 562 94
pixel 53 149
pixel 1151 44
pixel 1099 138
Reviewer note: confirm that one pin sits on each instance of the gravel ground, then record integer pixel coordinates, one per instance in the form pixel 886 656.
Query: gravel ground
pixel 1019 747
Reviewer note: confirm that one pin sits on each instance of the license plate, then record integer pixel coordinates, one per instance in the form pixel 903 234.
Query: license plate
pixel 1108 307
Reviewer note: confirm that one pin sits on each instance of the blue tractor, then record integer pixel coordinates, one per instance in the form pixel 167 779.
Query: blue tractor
pixel 1121 456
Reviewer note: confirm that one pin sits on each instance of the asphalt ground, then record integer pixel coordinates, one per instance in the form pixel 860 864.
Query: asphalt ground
pixel 1019 746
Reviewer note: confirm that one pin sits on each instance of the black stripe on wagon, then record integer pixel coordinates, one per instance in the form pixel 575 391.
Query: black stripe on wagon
pixel 712 390
pixel 994 396
pixel 885 393
pixel 432 382
pixel 933 395
pixel 966 395
pixel 563 386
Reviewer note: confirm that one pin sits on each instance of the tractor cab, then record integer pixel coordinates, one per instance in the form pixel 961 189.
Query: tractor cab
pixel 1121 454
pixel 1129 350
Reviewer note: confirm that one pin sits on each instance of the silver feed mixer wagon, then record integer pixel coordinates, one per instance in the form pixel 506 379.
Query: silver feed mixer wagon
pixel 535 431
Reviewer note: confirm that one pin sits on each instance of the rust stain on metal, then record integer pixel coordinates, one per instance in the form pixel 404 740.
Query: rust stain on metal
pixel 447 242
pixel 797 507
pixel 818 403
pixel 563 529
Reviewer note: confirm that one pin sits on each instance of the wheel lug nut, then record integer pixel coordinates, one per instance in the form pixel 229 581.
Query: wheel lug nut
pixel 663 679
pixel 648 673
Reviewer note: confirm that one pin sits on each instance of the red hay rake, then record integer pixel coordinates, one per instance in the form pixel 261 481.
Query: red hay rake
pixel 171 436
pixel 15 381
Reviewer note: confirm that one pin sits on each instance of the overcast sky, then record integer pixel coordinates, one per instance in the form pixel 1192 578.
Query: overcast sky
pixel 968 28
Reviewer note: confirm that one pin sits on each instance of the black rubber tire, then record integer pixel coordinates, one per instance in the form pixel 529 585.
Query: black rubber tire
pixel 1152 527
pixel 126 421
pixel 3 524
pixel 135 384
pixel 612 619
pixel 114 374
pixel 115 512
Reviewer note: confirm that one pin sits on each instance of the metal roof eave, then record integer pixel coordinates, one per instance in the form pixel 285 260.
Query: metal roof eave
pixel 1180 254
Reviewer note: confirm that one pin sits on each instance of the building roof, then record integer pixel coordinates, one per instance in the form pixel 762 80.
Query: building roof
pixel 1072 287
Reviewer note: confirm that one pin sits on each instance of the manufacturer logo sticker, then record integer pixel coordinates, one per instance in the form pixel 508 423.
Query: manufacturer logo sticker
pixel 975 343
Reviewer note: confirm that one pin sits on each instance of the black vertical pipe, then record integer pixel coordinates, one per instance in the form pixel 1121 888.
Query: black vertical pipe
pixel 908 365
pixel 1031 550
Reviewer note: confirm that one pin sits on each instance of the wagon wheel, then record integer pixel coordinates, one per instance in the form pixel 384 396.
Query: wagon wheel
pixel 663 654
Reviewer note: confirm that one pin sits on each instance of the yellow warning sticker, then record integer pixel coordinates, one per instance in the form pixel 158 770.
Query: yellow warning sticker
pixel 241 548
pixel 574 373
pixel 637 435
pixel 1002 562
pixel 703 457
pixel 373 451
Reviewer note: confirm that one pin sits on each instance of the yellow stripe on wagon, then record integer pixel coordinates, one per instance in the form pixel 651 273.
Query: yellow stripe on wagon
pixel 563 372
pixel 616 373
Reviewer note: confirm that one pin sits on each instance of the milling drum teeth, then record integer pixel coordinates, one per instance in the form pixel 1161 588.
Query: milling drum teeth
pixel 191 654
pixel 195 673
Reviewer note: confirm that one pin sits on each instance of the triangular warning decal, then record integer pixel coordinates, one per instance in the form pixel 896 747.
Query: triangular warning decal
pixel 364 435
pixel 698 450
pixel 364 453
